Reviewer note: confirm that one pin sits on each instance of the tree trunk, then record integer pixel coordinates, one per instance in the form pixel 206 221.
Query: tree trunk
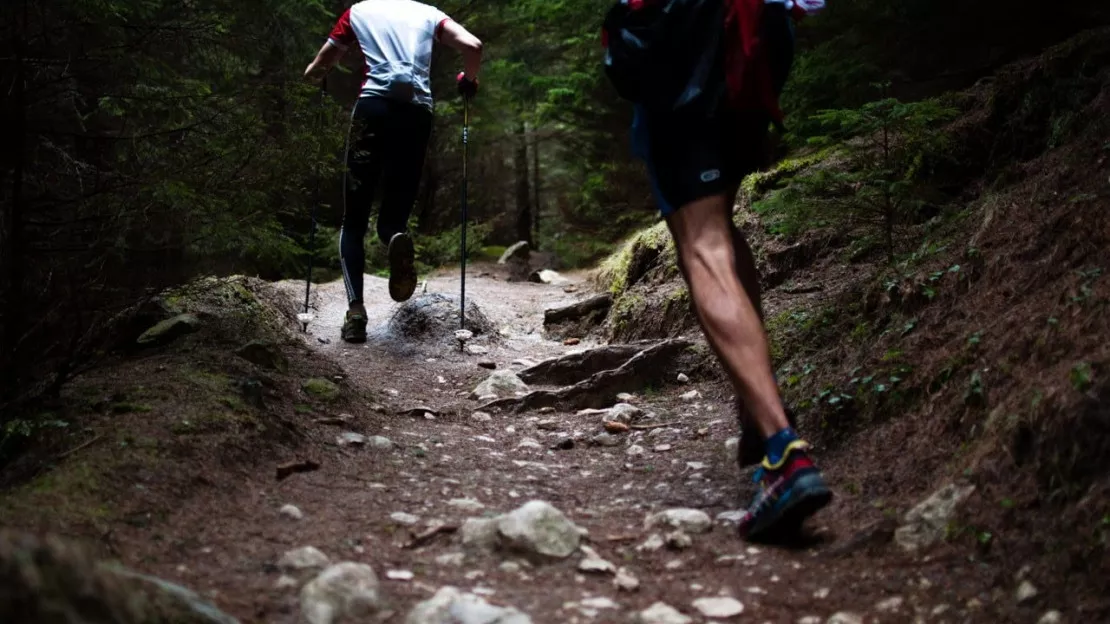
pixel 11 235
pixel 523 192
pixel 535 191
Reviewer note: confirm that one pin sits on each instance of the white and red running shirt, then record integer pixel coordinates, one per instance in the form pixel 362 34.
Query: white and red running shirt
pixel 396 39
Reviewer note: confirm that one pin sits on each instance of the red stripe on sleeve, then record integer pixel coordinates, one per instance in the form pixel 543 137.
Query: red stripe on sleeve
pixel 439 27
pixel 343 33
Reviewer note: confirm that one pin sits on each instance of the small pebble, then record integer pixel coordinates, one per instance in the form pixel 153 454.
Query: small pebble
pixel 291 512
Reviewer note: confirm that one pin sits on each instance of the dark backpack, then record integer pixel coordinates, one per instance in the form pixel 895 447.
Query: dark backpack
pixel 681 55
pixel 661 53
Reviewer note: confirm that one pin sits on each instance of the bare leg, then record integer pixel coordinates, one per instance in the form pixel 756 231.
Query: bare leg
pixel 729 316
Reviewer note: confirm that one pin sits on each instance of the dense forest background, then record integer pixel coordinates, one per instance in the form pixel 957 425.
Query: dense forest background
pixel 147 142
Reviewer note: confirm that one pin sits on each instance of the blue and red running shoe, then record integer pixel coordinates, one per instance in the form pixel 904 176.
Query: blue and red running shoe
pixel 789 492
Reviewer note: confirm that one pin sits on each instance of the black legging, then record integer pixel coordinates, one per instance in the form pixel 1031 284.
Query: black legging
pixel 386 146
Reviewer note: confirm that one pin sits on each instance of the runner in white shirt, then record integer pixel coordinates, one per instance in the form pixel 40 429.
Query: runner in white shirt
pixel 391 124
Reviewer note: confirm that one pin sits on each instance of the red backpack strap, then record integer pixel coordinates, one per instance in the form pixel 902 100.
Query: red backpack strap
pixel 750 85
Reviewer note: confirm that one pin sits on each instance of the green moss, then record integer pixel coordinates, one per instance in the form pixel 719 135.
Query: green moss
pixel 210 422
pixel 322 389
pixel 130 408
pixel 205 380
pixel 613 273
pixel 760 182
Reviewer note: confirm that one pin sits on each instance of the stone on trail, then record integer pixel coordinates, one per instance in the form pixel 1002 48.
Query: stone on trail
pixel 481 417
pixel 538 529
pixel 479 534
pixel 452 559
pixel 451 606
pixel 688 520
pixel 622 413
pixel 345 592
pixel 635 450
pixel 306 558
pixel 653 543
pixel 501 383
pixel 809 619
pixel 889 605
pixel 593 563
pixel 466 504
pixel 264 354
pixel 844 617
pixel 719 607
pixel 350 438
pixel 547 276
pixel 662 613
pixel 399 575
pixel 487 364
pixel 692 395
pixel 291 512
pixel 169 330
pixel 625 581
pixel 477 349
pixel 285 582
pixel 732 450
pixel 380 442
pixel 605 439
pixel 926 524
pixel 404 519
pixel 683 378
pixel 679 540
pixel 1051 617
pixel 731 517
pixel 1025 592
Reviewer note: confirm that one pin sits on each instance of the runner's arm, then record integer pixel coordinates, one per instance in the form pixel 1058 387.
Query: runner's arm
pixel 455 36
pixel 326 58
pixel 341 36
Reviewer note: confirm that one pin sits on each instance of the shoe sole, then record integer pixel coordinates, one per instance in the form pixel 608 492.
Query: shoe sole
pixel 402 267
pixel 808 496
pixel 353 337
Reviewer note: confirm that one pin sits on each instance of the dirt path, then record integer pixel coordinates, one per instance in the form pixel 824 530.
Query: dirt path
pixel 507 460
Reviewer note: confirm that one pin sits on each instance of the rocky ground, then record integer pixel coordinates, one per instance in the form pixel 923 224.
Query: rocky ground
pixel 441 511
pixel 465 483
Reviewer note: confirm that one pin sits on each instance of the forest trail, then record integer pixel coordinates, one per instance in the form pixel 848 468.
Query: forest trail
pixel 365 504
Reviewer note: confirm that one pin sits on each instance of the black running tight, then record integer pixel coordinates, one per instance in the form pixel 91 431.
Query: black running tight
pixel 385 149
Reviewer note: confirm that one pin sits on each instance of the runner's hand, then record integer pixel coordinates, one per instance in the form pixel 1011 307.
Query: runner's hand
pixel 467 88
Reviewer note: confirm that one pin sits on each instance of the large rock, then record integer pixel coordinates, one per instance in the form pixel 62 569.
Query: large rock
pixel 50 580
pixel 264 354
pixel 434 317
pixel 479 534
pixel 345 592
pixel 502 383
pixel 451 606
pixel 169 330
pixel 926 524
pixel 538 530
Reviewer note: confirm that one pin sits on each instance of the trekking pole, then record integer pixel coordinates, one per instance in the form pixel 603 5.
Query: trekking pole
pixel 465 145
pixel 305 318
